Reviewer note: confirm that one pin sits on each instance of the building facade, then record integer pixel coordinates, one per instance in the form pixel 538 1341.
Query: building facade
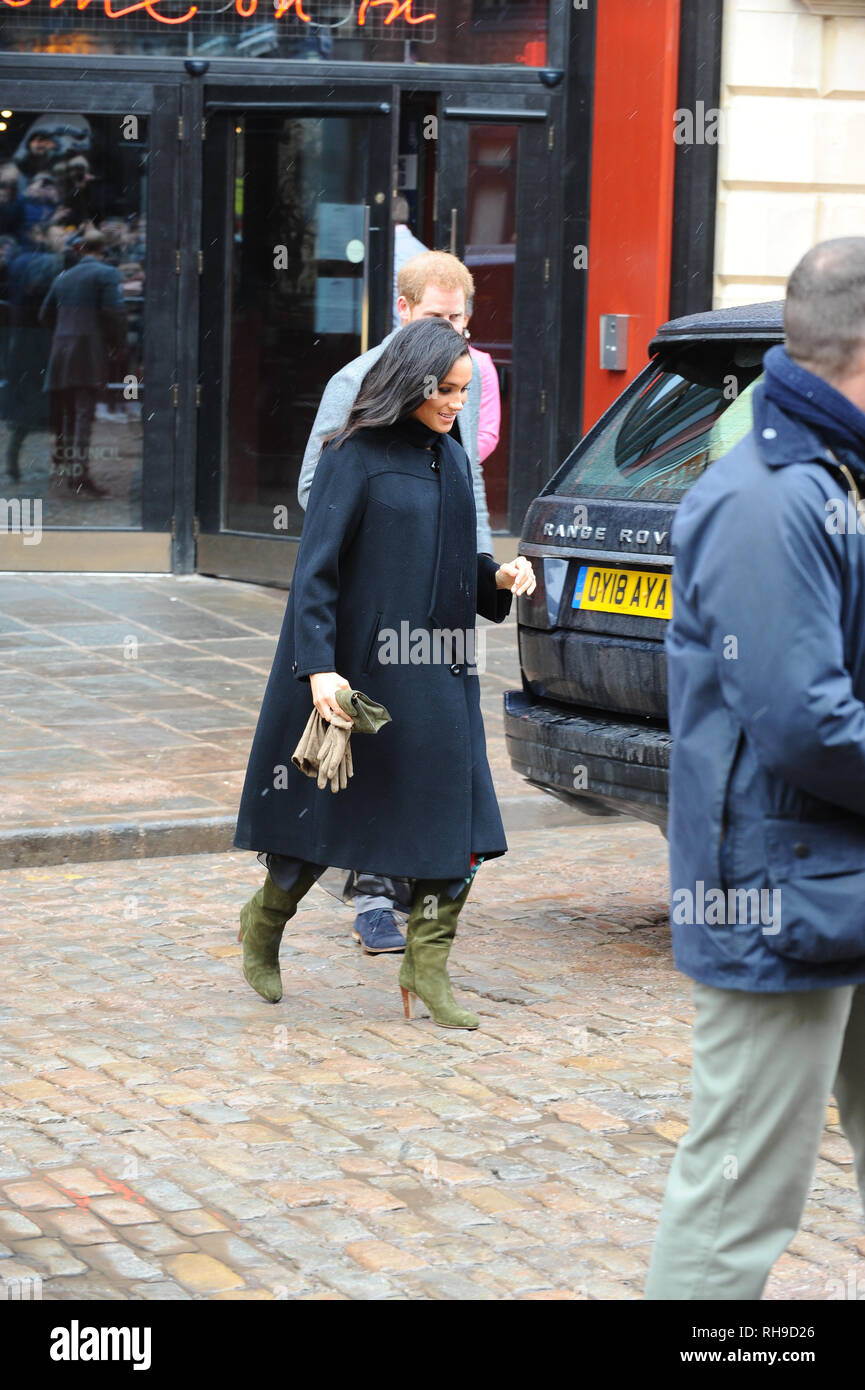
pixel 242 161
pixel 791 165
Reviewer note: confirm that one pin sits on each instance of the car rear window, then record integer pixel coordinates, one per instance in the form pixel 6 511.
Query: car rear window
pixel 661 437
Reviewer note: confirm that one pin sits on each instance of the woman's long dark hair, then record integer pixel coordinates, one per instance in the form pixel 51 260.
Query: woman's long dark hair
pixel 409 370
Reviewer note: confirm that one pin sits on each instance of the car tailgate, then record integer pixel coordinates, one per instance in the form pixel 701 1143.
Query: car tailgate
pixel 589 635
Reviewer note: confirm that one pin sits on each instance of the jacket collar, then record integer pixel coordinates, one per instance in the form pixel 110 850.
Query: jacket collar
pixel 781 440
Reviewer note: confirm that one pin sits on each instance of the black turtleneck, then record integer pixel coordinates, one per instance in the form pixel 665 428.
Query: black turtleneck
pixel 416 432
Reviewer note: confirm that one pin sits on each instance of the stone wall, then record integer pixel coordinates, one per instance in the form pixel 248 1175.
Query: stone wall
pixel 792 154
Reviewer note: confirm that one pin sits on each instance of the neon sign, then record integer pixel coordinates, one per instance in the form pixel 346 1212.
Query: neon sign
pixel 397 9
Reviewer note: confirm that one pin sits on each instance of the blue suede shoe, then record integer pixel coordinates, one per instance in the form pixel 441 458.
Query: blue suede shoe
pixel 378 932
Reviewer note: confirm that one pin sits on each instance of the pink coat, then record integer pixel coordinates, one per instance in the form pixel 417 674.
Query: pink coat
pixel 491 404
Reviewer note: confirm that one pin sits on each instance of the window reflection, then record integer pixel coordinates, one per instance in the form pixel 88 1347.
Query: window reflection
pixel 655 447
pixel 72 268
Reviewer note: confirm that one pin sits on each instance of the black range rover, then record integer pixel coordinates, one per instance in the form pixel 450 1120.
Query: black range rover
pixel 590 723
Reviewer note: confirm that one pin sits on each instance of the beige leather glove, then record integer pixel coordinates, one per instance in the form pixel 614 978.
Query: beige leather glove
pixel 335 758
pixel 324 749
pixel 305 755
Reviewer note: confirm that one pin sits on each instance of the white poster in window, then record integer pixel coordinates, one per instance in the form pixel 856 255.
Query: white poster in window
pixel 336 226
pixel 337 304
pixel 406 171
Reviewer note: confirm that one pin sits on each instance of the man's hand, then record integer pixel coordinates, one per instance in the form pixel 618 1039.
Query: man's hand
pixel 518 576
pixel 324 685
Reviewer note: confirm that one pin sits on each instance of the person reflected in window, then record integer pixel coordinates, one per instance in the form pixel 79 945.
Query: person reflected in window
pixel 84 308
pixel 31 273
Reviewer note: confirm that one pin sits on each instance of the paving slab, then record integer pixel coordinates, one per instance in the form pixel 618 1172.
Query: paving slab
pixel 128 706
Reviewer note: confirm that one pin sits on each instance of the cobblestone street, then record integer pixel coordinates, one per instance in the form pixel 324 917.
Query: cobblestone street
pixel 167 1135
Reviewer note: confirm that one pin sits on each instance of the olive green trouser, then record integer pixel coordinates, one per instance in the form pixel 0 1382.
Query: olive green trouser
pixel 765 1066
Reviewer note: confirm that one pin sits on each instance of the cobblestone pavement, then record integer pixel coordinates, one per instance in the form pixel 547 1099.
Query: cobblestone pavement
pixel 165 1134
pixel 128 701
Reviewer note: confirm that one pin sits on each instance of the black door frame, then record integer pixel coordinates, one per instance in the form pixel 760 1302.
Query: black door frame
pixel 460 103
pixel 27 89
pixel 534 304
pixel 239 554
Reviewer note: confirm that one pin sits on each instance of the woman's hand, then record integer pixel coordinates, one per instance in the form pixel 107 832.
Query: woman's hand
pixel 518 576
pixel 324 685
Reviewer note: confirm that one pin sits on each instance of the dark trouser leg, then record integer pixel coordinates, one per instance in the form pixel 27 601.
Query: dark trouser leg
pixel 17 435
pixel 430 933
pixel 84 409
pixel 371 891
pixel 262 922
pixel 63 431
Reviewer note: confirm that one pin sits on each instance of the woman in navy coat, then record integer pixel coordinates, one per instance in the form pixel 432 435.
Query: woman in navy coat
pixel 384 599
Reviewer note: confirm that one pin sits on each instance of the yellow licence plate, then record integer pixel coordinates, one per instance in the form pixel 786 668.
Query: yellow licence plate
pixel 638 592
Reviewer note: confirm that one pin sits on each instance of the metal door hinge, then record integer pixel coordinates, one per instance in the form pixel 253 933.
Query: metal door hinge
pixel 177 262
pixel 197 394
pixel 204 127
pixel 175 394
pixel 180 127
pixel 200 262
pixel 173 528
pixel 546 270
pixel 196 528
pixel 551 137
pixel 543 402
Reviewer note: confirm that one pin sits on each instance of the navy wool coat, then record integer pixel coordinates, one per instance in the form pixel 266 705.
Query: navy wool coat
pixel 421 801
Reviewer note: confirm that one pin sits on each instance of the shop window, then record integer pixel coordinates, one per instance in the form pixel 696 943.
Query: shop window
pixel 72 275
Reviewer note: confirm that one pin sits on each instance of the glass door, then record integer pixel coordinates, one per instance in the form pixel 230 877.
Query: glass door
pixel 494 212
pixel 295 285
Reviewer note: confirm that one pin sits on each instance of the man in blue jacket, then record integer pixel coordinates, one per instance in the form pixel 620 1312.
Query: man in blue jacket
pixel 766 665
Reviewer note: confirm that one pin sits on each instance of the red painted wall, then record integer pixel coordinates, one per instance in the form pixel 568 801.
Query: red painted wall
pixel 631 211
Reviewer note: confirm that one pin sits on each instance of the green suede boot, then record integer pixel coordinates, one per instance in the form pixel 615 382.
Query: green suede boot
pixel 428 941
pixel 262 922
